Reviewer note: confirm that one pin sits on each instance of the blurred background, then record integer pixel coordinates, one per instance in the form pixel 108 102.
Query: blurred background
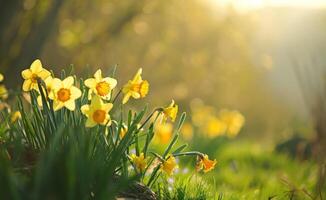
pixel 226 54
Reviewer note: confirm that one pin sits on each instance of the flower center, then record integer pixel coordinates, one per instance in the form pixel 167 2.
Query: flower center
pixel 34 78
pixel 103 88
pixel 63 94
pixel 135 87
pixel 99 116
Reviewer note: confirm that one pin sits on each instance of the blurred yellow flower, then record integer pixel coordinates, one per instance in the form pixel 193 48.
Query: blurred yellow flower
pixel 139 161
pixel 49 88
pixel 1 77
pixel 169 165
pixel 123 131
pixel 163 132
pixel 15 116
pixel 233 120
pixel 215 127
pixel 31 75
pixel 171 111
pixel 201 114
pixel 100 86
pixel 136 88
pixel 3 92
pixel 64 93
pixel 187 131
pixel 206 164
pixel 97 112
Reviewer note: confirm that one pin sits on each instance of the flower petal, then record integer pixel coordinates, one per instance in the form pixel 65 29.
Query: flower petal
pixel 84 109
pixel 36 66
pixel 68 82
pixel 57 105
pixel 90 83
pixel 44 74
pixel 27 74
pixel 107 107
pixel 90 123
pixel 111 81
pixel 98 75
pixel 126 98
pixel 75 92
pixel 56 83
pixel 27 85
pixel 137 77
pixel 70 105
pixel 136 95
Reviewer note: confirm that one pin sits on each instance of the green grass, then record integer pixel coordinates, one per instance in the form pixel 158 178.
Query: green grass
pixel 248 171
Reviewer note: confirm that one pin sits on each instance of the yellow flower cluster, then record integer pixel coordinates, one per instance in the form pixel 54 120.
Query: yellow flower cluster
pixel 226 122
pixel 3 89
pixel 64 93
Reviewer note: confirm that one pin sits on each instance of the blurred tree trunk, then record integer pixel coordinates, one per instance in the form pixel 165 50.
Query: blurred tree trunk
pixel 27 32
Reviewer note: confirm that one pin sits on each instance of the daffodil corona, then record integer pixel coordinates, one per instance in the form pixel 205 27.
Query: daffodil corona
pixel 171 111
pixel 64 93
pixel 97 112
pixel 100 86
pixel 136 88
pixel 206 164
pixel 169 165
pixel 139 161
pixel 31 75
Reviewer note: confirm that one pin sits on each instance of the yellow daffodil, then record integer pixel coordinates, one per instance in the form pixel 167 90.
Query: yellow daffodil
pixel 139 161
pixel 15 116
pixel 136 88
pixel 31 75
pixel 206 164
pixel 171 111
pixel 64 93
pixel 97 112
pixel 1 77
pixel 163 132
pixel 3 92
pixel 123 131
pixel 233 120
pixel 215 127
pixel 100 86
pixel 49 88
pixel 169 165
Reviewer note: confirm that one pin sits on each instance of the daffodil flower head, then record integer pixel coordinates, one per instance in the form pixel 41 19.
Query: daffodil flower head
pixel 136 88
pixel 139 161
pixel 171 111
pixel 1 77
pixel 215 127
pixel 15 116
pixel 3 92
pixel 97 112
pixel 206 164
pixel 233 120
pixel 123 131
pixel 169 165
pixel 163 132
pixel 49 89
pixel 31 75
pixel 100 86
pixel 64 93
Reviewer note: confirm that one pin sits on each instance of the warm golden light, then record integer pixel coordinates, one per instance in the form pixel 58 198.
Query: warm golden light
pixel 256 4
